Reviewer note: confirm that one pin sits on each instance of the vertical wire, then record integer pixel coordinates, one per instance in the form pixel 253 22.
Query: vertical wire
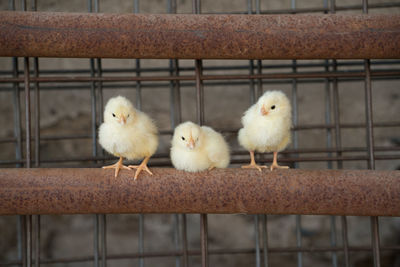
pixel 204 241
pixel 175 103
pixel 251 62
pixel 257 240
pixel 138 86
pixel 96 240
pixel 295 146
pixel 257 95
pixel 36 100
pixel 345 241
pixel 137 63
pixel 333 232
pixel 100 92
pixel 93 97
pixel 99 74
pixel 18 144
pixel 94 147
pixel 259 62
pixel 17 114
pixel 174 88
pixel 103 235
pixel 265 239
pixel 27 113
pixel 28 240
pixel 28 156
pixel 37 146
pixel 196 8
pixel 23 5
pixel 184 241
pixel 338 144
pixel 370 146
pixel 22 220
pixel 141 239
pixel 102 217
pixel 11 5
pixel 254 95
pixel 37 240
pixel 199 92
pixel 175 94
pixel 176 238
pixel 18 147
pixel 139 106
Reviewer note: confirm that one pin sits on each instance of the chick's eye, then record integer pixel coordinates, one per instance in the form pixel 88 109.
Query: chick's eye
pixel 183 138
pixel 273 107
pixel 113 115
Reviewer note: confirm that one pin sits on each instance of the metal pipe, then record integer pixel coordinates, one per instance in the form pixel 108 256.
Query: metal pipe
pixel 48 34
pixel 330 192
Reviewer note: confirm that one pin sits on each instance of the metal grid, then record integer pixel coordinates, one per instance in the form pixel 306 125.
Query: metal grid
pixel 95 79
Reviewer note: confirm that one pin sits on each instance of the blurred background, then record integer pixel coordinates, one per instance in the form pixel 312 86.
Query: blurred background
pixel 329 132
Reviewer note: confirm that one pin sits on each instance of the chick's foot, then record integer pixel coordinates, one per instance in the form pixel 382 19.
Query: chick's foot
pixel 253 164
pixel 142 166
pixel 275 165
pixel 117 166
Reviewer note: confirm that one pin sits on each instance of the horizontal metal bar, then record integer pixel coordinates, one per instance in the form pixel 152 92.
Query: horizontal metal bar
pixel 229 83
pixel 198 252
pixel 48 34
pixel 297 75
pixel 234 130
pixel 210 68
pixel 234 190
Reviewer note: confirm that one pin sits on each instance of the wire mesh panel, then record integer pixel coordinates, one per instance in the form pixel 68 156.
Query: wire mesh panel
pixel 345 116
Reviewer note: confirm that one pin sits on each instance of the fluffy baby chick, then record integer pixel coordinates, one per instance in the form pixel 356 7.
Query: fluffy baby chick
pixel 266 127
pixel 196 148
pixel 127 133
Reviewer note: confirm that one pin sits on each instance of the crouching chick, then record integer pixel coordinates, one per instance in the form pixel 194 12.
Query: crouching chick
pixel 196 148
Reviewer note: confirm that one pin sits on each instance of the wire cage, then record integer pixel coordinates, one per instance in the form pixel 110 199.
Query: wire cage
pixel 345 118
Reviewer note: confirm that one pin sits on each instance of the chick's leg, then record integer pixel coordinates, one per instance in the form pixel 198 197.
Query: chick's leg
pixel 142 166
pixel 253 164
pixel 117 166
pixel 275 165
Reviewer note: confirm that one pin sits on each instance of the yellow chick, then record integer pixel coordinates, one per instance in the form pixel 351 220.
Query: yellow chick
pixel 266 127
pixel 127 133
pixel 196 148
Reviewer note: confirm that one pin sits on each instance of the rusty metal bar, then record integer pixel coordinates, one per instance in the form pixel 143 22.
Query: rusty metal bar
pixel 70 191
pixel 48 34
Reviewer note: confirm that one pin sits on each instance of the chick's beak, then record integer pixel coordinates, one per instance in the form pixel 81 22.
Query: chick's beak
pixel 122 120
pixel 264 112
pixel 191 143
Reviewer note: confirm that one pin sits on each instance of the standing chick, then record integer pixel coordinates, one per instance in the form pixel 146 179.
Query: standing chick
pixel 196 148
pixel 266 127
pixel 127 133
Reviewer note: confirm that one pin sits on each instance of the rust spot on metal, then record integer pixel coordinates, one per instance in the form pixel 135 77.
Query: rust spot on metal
pixel 46 34
pixel 71 191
